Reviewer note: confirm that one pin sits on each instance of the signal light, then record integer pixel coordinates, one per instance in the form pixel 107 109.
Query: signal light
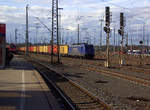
pixel 106 29
pixel 107 16
pixel 119 31
pixel 141 42
pixel 121 20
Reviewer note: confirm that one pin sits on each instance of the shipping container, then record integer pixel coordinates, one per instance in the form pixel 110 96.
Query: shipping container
pixel 34 49
pixel 22 49
pixel 54 49
pixel 45 49
pixel 38 49
pixel 64 50
pixel 49 49
pixel 31 49
pixel 41 49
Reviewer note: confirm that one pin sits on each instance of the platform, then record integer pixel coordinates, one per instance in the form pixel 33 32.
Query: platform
pixel 22 88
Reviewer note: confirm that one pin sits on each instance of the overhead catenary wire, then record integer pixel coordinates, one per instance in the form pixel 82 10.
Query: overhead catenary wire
pixel 44 24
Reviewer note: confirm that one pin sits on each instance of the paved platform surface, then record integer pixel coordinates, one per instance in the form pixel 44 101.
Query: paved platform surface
pixel 22 88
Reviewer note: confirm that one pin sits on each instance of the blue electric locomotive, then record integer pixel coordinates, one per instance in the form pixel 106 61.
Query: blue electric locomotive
pixel 82 50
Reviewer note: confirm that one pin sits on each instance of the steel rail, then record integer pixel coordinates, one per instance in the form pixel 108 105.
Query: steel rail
pixel 147 71
pixel 94 97
pixel 136 80
pixel 56 88
pixel 118 75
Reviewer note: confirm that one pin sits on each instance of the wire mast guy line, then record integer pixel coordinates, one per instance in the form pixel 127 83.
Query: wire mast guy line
pixel 55 31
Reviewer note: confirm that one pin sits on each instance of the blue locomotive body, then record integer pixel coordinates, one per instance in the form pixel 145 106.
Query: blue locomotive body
pixel 82 50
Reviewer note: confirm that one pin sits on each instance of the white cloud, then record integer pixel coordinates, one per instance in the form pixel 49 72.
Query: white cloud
pixel 71 28
pixel 8 9
pixel 90 12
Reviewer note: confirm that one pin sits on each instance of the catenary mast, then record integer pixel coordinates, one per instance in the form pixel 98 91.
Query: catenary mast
pixel 55 32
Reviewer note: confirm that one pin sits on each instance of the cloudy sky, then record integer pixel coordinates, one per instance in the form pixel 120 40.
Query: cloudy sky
pixel 85 12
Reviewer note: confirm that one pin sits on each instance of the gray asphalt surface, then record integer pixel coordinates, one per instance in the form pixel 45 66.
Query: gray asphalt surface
pixel 22 88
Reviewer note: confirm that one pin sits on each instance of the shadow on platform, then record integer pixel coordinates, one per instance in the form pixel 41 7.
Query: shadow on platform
pixel 19 64
pixel 15 100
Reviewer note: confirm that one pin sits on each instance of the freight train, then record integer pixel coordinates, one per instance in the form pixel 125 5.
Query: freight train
pixel 77 50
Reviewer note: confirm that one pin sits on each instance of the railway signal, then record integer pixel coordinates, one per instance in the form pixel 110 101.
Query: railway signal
pixel 107 20
pixel 107 30
pixel 121 32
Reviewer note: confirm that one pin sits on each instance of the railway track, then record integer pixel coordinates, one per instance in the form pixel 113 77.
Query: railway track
pixel 136 80
pixel 133 79
pixel 91 67
pixel 74 95
pixel 101 63
pixel 128 68
pixel 136 69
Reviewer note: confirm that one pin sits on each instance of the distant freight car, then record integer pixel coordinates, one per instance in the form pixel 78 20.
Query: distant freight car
pixel 82 50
